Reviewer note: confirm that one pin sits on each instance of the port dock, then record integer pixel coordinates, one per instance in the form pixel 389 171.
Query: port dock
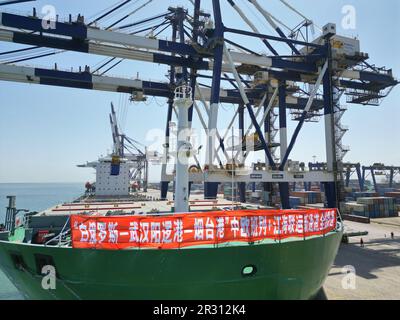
pixel 376 265
pixel 250 217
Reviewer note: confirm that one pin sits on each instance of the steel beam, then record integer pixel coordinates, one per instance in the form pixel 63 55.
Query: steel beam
pixel 220 176
pixel 284 186
pixel 81 38
pixel 249 108
pixel 165 184
pixel 86 80
pixel 269 19
pixel 5 3
pixel 210 190
pixel 331 189
pixel 251 25
pixel 323 75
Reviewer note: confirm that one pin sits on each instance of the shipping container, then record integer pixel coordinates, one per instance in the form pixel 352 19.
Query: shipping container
pixel 378 207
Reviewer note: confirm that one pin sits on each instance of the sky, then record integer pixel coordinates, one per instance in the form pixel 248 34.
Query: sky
pixel 46 131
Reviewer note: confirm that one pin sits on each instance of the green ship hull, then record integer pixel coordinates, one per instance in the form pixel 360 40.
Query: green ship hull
pixel 287 270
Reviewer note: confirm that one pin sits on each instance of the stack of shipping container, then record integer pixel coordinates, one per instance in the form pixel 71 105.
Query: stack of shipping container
pixel 396 196
pixel 376 207
pixel 354 195
pixel 301 198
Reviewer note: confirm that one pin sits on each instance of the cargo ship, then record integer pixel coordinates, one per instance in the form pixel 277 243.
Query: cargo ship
pixel 277 267
pixel 98 247
pixel 124 240
pixel 284 270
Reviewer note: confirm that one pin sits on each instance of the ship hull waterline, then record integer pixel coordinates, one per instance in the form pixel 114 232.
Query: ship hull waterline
pixel 282 271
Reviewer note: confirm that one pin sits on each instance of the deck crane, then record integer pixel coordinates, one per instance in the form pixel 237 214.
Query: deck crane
pixel 118 138
pixel 200 48
pixel 134 152
pixel 129 151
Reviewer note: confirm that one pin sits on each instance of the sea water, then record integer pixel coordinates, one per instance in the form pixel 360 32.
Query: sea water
pixel 33 197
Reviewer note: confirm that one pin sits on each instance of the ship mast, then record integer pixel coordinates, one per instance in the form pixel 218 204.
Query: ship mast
pixel 183 101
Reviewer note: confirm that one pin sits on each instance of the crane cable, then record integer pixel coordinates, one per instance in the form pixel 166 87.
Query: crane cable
pixel 109 60
pixel 300 14
pixel 105 10
pixel 129 14
pixel 254 13
pixel 109 12
pixel 110 19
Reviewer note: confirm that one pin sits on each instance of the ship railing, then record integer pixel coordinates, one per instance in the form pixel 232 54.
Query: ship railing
pixel 61 235
pixel 339 222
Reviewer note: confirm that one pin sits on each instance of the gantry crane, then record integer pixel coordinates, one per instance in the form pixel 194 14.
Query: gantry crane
pixel 308 78
pixel 380 169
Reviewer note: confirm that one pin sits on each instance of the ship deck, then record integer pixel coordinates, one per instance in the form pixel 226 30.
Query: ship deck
pixel 141 204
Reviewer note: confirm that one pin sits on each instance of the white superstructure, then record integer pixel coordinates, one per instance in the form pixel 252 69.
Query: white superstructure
pixel 113 185
pixel 112 181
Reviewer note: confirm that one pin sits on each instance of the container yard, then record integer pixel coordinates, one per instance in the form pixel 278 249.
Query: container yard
pixel 374 207
pixel 376 265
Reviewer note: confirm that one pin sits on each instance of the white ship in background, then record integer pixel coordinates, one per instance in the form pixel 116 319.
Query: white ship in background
pixel 126 169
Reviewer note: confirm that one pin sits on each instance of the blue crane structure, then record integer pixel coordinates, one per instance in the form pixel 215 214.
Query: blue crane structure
pixel 379 169
pixel 200 46
pixel 348 170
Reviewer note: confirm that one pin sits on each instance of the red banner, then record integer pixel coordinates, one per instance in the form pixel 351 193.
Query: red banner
pixel 211 228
